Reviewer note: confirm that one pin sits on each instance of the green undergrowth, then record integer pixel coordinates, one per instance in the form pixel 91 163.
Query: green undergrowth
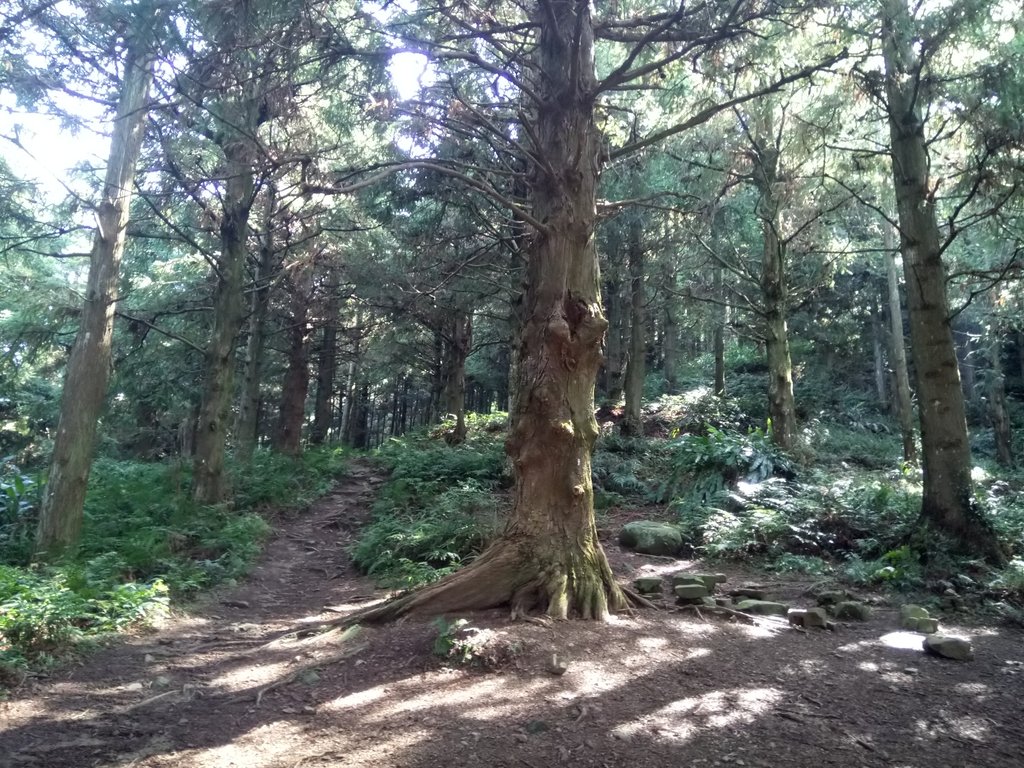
pixel 842 505
pixel 439 507
pixel 144 543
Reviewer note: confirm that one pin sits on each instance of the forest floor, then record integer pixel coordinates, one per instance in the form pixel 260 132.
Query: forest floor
pixel 223 685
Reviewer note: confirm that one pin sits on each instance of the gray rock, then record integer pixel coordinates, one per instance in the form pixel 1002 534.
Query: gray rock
pixel 691 591
pixel 816 617
pixel 750 591
pixel 832 597
pixel 679 579
pixel 910 616
pixel 797 616
pixel 709 580
pixel 762 608
pixel 651 538
pixel 947 647
pixel 852 610
pixel 929 626
pixel 648 585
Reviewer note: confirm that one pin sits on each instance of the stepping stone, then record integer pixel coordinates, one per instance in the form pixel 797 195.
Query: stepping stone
pixel 947 647
pixel 651 538
pixel 762 608
pixel 851 610
pixel 648 585
pixel 691 591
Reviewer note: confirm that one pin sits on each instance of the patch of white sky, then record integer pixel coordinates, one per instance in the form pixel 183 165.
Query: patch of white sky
pixel 51 145
pixel 410 71
pixel 59 152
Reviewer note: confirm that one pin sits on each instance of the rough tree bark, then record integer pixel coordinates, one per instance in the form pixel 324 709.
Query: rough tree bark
pixel 88 373
pixel 209 482
pixel 998 414
pixel 327 364
pixel 670 345
pixel 614 354
pixel 898 352
pixel 632 416
pixel 774 295
pixel 718 334
pixel 947 503
pixel 457 348
pixel 295 386
pixel 877 347
pixel 549 557
pixel 247 420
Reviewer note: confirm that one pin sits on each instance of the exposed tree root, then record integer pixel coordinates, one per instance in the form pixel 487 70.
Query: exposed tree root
pixel 721 610
pixel 507 574
pixel 349 648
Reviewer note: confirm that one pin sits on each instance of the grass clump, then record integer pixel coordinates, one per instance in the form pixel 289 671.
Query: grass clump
pixel 144 542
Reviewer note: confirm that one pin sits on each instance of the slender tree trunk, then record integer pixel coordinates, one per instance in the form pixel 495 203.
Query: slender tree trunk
pixel 775 294
pixel 1020 353
pixel 718 335
pixel 247 420
pixel 878 354
pixel 457 350
pixel 898 352
pixel 437 375
pixel 88 372
pixel 359 417
pixel 998 414
pixel 327 364
pixel 632 417
pixel 670 345
pixel 549 557
pixel 208 477
pixel 965 355
pixel 295 387
pixel 614 354
pixel 947 499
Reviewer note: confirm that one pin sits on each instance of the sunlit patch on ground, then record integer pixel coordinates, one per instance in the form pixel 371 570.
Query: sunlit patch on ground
pixel 902 641
pixel 683 719
pixel 959 726
pixel 972 689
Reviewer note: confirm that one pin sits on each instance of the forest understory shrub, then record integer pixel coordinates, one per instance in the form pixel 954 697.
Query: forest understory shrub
pixel 439 508
pixel 143 543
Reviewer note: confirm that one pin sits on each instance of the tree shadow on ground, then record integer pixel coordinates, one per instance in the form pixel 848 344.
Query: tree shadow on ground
pixel 654 689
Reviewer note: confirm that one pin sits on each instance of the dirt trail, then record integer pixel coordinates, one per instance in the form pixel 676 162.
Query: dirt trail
pixel 655 689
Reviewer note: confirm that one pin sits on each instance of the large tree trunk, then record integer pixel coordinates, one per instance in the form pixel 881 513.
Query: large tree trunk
pixel 632 416
pixel 774 295
pixel 457 349
pixel 327 364
pixel 898 352
pixel 88 373
pixel 947 500
pixel 295 387
pixel 208 478
pixel 549 557
pixel 247 420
